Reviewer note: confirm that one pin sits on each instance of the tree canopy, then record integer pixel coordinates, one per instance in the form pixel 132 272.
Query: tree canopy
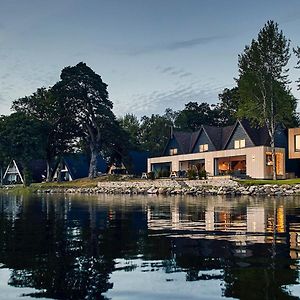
pixel 265 95
pixel 85 100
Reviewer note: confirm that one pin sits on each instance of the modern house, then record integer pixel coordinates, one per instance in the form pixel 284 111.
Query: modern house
pixel 75 166
pixel 14 172
pixel 239 150
pixel 135 164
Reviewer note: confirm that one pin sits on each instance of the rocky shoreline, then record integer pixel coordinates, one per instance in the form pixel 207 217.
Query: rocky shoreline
pixel 173 187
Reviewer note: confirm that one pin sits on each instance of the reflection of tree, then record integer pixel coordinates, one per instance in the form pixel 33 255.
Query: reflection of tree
pixel 66 249
pixel 60 258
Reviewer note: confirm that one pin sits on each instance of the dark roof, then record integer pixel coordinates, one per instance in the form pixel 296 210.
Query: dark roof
pixel 184 140
pixel 78 165
pixel 220 136
pixel 38 169
pixel 138 162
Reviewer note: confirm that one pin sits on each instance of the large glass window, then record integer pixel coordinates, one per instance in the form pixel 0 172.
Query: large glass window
pixel 239 144
pixel 203 147
pixel 297 142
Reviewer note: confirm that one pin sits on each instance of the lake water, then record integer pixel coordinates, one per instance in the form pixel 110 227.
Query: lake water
pixel 143 247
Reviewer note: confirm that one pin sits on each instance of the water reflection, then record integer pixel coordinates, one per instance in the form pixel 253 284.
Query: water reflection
pixel 75 247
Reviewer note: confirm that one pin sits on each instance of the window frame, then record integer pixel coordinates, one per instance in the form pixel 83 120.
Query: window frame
pixel 203 148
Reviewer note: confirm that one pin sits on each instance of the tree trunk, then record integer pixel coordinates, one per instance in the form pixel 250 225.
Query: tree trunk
pixel 93 161
pixel 273 152
pixel 1 176
pixel 58 170
pixel 49 173
pixel 26 176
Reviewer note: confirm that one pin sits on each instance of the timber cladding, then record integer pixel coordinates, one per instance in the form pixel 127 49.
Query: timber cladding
pixel 293 132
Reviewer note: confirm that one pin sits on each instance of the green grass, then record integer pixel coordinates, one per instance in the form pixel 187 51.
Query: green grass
pixel 79 183
pixel 261 182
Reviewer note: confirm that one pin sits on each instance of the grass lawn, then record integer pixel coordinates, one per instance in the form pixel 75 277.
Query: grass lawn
pixel 261 182
pixel 79 183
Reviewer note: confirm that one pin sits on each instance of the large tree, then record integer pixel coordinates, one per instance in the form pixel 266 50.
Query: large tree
pixel 85 99
pixel 155 131
pixel 22 139
pixel 263 82
pixel 297 52
pixel 59 129
pixel 225 112
pixel 131 125
pixel 194 115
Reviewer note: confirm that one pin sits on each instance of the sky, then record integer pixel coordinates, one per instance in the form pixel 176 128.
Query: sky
pixel 153 54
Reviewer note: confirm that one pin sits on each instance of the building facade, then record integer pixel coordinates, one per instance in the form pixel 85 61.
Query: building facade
pixel 239 150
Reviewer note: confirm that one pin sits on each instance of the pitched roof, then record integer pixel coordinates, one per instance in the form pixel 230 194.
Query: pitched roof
pixel 78 165
pixel 220 136
pixel 184 140
pixel 138 160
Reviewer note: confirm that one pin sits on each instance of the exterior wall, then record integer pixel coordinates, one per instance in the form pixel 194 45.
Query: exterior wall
pixel 172 144
pixel 256 164
pixel 203 139
pixel 292 153
pixel 239 134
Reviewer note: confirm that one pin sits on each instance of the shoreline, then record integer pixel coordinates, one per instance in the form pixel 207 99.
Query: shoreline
pixel 163 187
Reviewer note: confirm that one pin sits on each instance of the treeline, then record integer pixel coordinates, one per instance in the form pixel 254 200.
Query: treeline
pixel 75 115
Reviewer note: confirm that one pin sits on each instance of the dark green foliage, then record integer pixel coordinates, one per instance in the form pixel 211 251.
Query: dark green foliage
pixel 155 132
pixel 131 125
pixel 192 174
pixel 297 52
pixel 21 138
pixel 85 99
pixel 265 97
pixel 151 175
pixel 194 115
pixel 59 128
pixel 225 112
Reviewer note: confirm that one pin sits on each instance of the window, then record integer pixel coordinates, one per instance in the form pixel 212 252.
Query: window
pixel 173 151
pixel 239 144
pixel 203 148
pixel 297 142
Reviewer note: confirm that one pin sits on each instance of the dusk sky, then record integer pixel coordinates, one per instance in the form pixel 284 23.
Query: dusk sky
pixel 152 54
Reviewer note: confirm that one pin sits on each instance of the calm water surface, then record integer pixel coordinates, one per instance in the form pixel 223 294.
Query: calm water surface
pixel 122 247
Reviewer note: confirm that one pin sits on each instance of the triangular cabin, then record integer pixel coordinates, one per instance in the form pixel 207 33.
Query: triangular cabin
pixel 14 172
pixel 135 163
pixel 76 166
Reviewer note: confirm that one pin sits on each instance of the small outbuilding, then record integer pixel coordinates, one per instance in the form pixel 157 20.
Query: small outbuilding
pixel 14 173
pixel 135 163
pixel 75 166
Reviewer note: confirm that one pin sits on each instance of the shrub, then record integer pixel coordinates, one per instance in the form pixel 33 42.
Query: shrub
pixel 202 174
pixel 191 174
pixel 151 175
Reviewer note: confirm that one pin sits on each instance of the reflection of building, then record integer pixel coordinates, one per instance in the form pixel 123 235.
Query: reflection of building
pixel 256 224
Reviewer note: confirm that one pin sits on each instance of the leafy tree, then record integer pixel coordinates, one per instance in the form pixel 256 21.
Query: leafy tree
pixel 21 138
pixel 59 129
pixel 225 112
pixel 297 52
pixel 265 97
pixel 85 100
pixel 155 131
pixel 131 125
pixel 194 115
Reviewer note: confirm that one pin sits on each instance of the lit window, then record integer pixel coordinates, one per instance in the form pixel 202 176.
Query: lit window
pixel 297 142
pixel 173 151
pixel 239 144
pixel 203 148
